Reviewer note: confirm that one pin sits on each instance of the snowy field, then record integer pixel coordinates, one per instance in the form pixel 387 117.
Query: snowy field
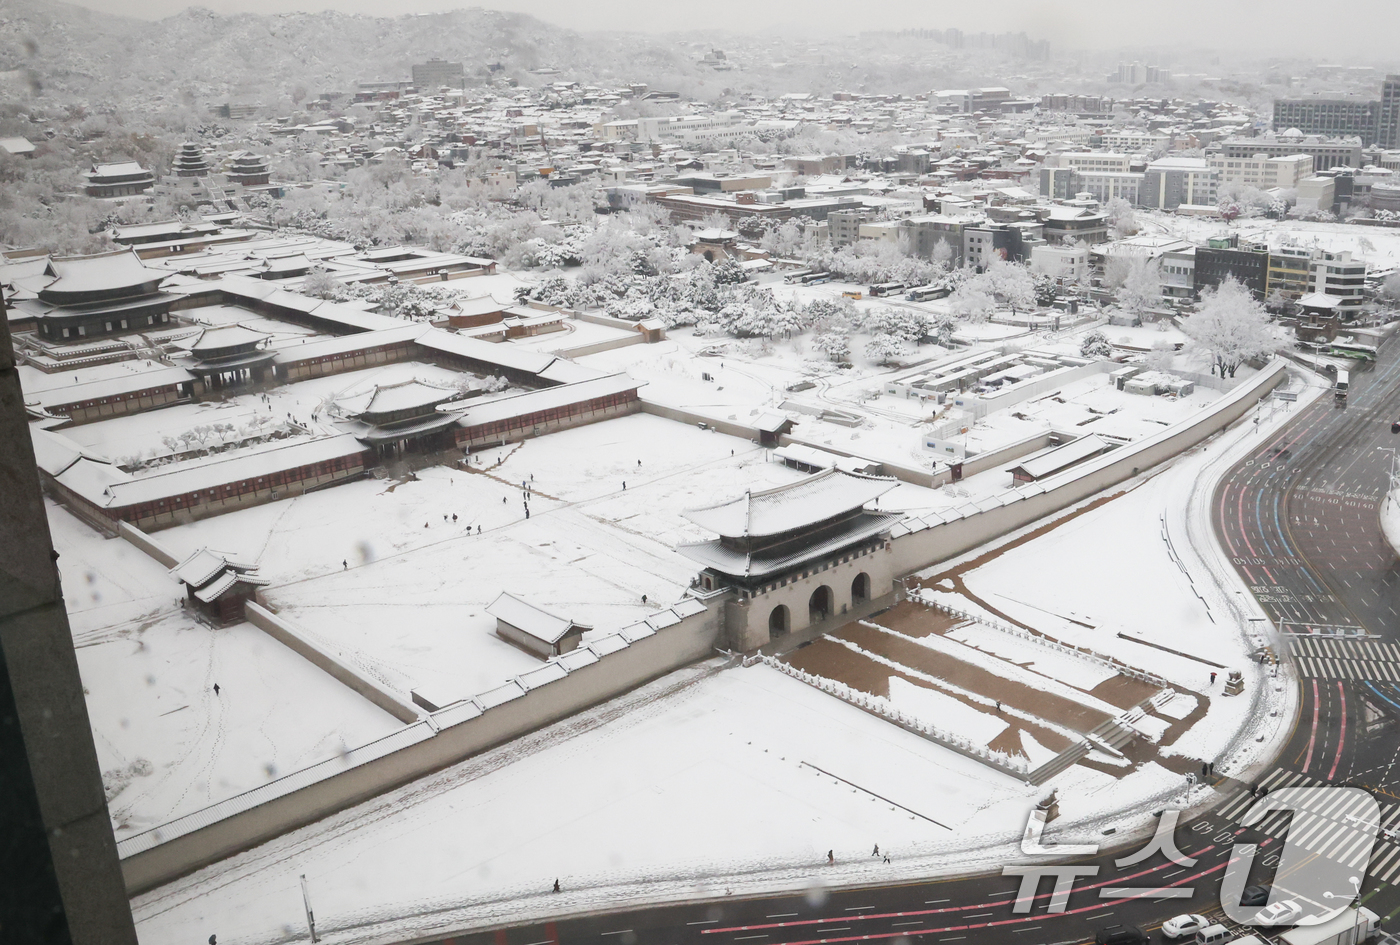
pixel 347 563
pixel 166 743
pixel 641 768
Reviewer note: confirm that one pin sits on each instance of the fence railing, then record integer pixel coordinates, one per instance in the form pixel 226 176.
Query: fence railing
pixel 876 705
pixel 1082 652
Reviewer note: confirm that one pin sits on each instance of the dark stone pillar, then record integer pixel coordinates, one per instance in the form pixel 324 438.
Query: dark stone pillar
pixel 60 880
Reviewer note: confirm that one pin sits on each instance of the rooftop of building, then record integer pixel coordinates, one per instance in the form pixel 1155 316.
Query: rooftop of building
pixel 786 508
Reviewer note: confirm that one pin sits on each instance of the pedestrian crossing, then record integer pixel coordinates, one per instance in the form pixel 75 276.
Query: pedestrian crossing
pixel 1330 829
pixel 1322 658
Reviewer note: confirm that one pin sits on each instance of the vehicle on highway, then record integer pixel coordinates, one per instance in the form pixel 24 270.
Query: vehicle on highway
pixel 1183 925
pixel 1255 896
pixel 1120 935
pixel 1343 382
pixel 1353 349
pixel 1280 913
pixel 1213 935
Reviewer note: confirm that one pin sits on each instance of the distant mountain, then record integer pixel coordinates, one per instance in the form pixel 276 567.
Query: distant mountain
pixel 199 55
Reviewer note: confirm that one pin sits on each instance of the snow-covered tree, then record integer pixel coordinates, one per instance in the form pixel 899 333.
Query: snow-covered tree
pixel 1095 345
pixel 836 345
pixel 973 300
pixel 1142 286
pixel 1231 327
pixel 942 255
pixel 1390 289
pixel 320 284
pixel 1122 218
pixel 886 349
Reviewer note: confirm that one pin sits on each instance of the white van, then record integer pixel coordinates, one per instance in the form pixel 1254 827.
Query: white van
pixel 1213 935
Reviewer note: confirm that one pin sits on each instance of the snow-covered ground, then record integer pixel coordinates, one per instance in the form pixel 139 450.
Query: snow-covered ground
pixel 168 745
pixel 710 784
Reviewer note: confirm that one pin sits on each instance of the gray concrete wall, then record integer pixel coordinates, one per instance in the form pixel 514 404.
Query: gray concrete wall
pixel 205 837
pixel 147 544
pixel 635 338
pixel 294 639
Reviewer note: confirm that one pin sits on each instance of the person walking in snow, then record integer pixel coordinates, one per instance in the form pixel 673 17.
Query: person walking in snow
pixel 876 851
pixel 216 689
pixel 1212 679
pixel 887 857
pixel 556 885
pixel 345 564
pixel 454 518
pixel 830 858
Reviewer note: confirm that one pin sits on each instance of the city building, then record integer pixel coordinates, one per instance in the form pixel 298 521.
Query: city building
pixel 1341 277
pixel 1327 152
pixel 1070 263
pixel 1262 171
pixel 844 226
pixel 1374 121
pixel 1172 182
pixel 1223 258
pixel 1289 271
pixel 437 73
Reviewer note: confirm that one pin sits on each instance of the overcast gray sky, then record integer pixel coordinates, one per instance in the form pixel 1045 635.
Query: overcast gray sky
pixel 1364 27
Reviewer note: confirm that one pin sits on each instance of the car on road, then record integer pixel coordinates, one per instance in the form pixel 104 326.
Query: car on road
pixel 1183 925
pixel 1120 935
pixel 1280 913
pixel 1255 896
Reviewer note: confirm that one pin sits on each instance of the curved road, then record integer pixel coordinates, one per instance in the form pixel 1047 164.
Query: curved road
pixel 1299 519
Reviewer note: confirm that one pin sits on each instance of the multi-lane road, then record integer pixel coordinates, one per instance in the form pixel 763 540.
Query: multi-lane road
pixel 1299 519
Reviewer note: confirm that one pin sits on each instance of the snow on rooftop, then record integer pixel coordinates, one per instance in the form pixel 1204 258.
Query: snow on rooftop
pixel 535 621
pixel 108 272
pixel 788 507
pixel 227 336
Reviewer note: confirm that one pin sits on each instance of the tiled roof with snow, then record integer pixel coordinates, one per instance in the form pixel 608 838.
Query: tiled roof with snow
pixel 104 272
pixel 533 620
pixel 226 336
pixel 796 505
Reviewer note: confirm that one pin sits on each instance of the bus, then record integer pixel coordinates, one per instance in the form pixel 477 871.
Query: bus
pixel 886 288
pixel 1353 349
pixel 814 278
pixel 927 293
pixel 797 276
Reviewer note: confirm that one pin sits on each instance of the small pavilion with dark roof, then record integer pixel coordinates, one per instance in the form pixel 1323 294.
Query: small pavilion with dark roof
pixel 403 416
pixel 217 584
pixel 798 554
pixel 230 355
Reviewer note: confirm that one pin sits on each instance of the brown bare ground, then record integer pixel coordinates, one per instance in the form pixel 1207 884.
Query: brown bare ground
pixel 827 658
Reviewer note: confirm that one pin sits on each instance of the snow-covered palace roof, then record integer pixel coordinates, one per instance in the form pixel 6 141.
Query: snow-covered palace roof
pixel 786 508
